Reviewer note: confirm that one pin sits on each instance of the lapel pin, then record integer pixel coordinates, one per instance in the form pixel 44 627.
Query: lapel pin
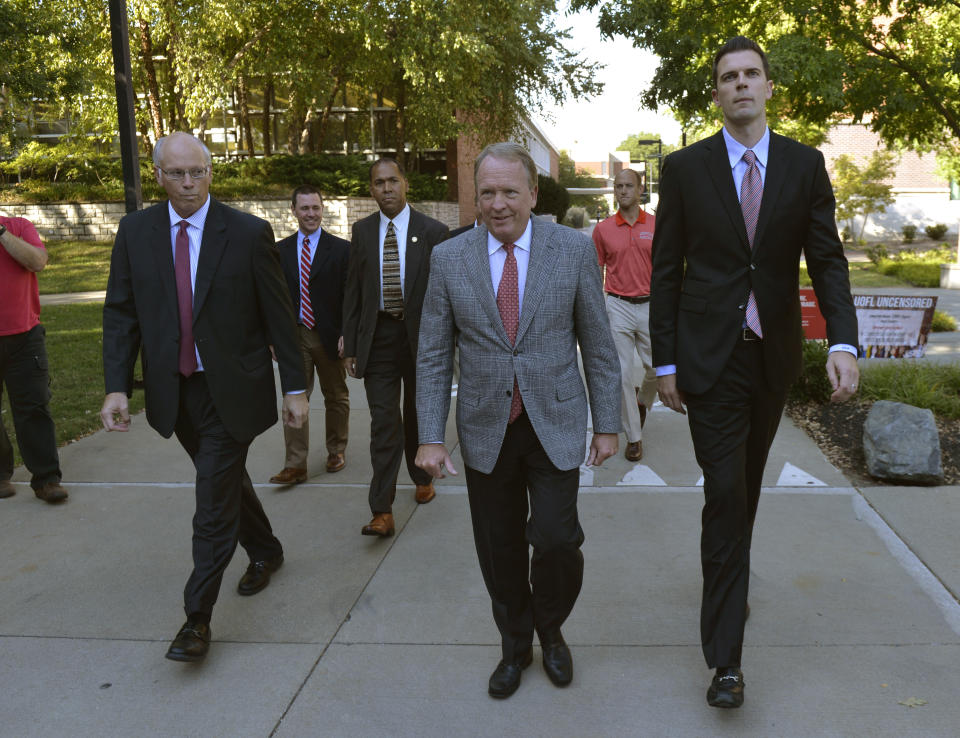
pixel 414 239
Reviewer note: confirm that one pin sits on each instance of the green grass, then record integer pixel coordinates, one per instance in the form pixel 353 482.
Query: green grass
pixel 75 266
pixel 74 350
pixel 928 385
pixel 862 274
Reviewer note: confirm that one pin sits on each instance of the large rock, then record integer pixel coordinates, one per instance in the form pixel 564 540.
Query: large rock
pixel 901 444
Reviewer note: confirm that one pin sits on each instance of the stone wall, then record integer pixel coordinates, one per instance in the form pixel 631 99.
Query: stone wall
pixel 97 221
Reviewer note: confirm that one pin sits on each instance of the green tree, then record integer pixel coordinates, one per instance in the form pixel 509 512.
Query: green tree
pixel 569 176
pixel 861 190
pixel 894 66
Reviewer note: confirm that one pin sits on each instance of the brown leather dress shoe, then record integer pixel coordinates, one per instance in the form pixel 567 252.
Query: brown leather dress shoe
pixel 335 462
pixel 289 475
pixel 191 643
pixel 424 493
pixel 7 489
pixel 381 525
pixel 634 451
pixel 51 493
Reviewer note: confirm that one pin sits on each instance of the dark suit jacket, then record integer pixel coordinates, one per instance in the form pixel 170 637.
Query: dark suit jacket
pixel 704 268
pixel 362 299
pixel 462 229
pixel 240 306
pixel 328 278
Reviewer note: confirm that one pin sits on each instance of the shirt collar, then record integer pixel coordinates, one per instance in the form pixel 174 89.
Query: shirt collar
pixel 399 221
pixel 196 220
pixel 521 243
pixel 314 237
pixel 735 149
pixel 641 218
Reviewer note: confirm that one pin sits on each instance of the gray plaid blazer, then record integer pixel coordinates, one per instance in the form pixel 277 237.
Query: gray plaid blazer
pixel 562 306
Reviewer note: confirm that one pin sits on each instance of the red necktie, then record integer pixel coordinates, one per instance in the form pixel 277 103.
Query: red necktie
pixel 188 359
pixel 508 302
pixel 306 309
pixel 751 192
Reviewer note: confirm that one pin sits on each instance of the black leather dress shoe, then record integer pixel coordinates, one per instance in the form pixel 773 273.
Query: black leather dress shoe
pixel 506 677
pixel 191 643
pixel 726 689
pixel 258 574
pixel 557 661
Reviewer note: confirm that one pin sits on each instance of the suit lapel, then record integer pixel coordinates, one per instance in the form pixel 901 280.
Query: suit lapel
pixel 543 260
pixel 772 185
pixel 413 255
pixel 477 262
pixel 718 165
pixel 320 256
pixel 162 247
pixel 212 246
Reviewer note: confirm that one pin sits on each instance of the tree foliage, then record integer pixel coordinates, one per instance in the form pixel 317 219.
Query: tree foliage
pixel 439 67
pixel 893 66
pixel 861 190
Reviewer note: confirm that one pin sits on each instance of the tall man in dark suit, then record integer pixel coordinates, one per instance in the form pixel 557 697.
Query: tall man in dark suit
pixel 387 277
pixel 517 295
pixel 315 265
pixel 736 211
pixel 196 289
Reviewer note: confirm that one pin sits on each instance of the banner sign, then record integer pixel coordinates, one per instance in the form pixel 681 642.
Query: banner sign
pixel 890 326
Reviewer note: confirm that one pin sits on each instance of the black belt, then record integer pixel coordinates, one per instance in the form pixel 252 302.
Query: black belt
pixel 748 335
pixel 639 300
pixel 385 314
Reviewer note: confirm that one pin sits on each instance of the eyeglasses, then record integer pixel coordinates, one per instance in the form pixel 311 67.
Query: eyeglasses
pixel 178 174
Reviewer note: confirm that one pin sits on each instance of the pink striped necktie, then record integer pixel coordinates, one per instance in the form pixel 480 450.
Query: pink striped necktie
pixel 187 361
pixel 508 302
pixel 306 309
pixel 751 192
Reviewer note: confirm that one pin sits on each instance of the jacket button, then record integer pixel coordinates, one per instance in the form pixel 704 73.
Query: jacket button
pixel 516 353
pixel 508 393
pixel 753 267
pixel 741 306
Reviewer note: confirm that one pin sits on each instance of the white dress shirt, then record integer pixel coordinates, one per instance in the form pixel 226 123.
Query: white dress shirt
pixel 498 257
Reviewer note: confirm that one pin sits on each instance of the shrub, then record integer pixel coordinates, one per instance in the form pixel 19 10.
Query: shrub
pixel 575 217
pixel 942 322
pixel 930 385
pixel 936 232
pixel 552 198
pixel 845 234
pixel 876 253
pixel 813 385
pixel 909 232
pixel 917 274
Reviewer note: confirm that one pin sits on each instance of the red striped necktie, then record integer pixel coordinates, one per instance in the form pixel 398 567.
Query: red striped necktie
pixel 306 309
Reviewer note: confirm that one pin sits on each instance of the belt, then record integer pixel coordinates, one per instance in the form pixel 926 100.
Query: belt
pixel 639 300
pixel 385 314
pixel 748 335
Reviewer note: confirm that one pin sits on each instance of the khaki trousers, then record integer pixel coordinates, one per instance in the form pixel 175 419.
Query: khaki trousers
pixel 336 401
pixel 630 325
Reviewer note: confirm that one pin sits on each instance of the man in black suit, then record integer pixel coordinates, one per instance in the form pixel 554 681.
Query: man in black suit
pixel 197 290
pixel 386 281
pixel 736 211
pixel 315 265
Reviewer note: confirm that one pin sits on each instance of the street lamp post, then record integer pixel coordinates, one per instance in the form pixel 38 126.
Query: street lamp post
pixel 659 143
pixel 126 123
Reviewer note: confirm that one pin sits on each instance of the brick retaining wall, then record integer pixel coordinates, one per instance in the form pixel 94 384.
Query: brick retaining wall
pixel 97 221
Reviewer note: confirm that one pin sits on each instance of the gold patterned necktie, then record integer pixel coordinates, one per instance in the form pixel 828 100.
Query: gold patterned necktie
pixel 392 293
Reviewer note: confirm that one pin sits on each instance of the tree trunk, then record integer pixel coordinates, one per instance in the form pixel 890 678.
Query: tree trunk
pixel 401 123
pixel 245 115
pixel 153 88
pixel 307 143
pixel 267 118
pixel 325 116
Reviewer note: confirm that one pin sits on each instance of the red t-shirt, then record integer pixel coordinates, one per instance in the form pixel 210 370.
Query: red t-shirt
pixel 625 251
pixel 19 295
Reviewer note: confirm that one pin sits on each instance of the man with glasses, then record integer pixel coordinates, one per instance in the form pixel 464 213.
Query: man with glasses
pixel 196 288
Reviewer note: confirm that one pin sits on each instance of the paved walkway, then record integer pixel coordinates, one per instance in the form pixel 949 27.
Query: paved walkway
pixel 855 625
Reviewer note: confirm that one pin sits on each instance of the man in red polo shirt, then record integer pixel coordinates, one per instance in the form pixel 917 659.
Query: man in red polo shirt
pixel 23 363
pixel 623 244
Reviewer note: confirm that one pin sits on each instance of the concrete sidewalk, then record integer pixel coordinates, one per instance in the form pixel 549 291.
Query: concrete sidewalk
pixel 855 625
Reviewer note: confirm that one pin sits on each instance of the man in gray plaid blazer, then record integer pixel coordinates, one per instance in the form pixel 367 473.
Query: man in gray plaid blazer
pixel 516 296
